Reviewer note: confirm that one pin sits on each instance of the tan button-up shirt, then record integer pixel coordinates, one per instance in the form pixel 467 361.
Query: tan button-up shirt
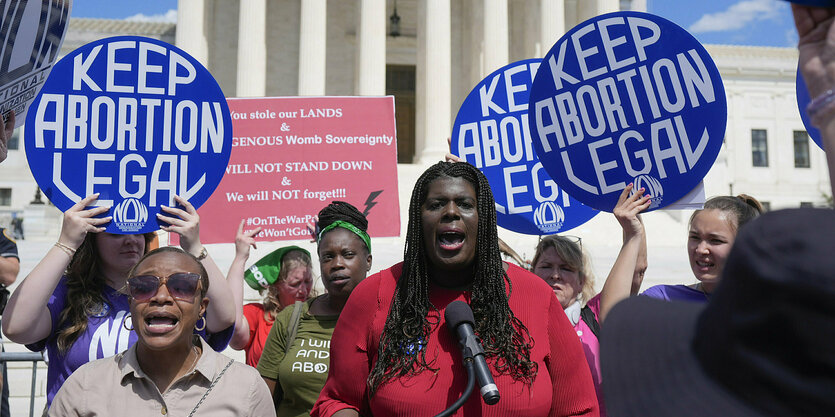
pixel 116 386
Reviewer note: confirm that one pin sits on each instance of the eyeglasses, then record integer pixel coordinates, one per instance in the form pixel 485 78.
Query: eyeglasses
pixel 573 239
pixel 181 286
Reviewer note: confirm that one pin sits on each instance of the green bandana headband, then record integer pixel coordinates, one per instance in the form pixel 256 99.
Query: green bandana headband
pixel 265 272
pixel 345 225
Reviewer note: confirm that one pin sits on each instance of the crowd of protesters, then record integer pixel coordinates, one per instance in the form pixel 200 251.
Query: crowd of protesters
pixel 754 335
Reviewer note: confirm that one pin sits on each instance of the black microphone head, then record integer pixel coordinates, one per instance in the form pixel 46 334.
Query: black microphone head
pixel 458 312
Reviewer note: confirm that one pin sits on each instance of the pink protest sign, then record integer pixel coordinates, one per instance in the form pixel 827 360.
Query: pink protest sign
pixel 291 156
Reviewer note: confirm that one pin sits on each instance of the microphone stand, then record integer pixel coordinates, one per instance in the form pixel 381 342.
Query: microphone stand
pixel 468 363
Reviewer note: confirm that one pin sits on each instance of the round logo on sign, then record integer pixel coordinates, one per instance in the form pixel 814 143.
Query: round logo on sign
pixel 627 97
pixel 134 119
pixel 803 101
pixel 491 133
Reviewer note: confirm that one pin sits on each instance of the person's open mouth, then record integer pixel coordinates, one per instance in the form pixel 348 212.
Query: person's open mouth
pixel 161 322
pixel 451 239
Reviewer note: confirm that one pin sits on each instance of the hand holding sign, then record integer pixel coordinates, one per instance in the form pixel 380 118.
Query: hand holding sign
pixel 627 209
pixel 816 56
pixel 816 61
pixel 186 224
pixel 79 221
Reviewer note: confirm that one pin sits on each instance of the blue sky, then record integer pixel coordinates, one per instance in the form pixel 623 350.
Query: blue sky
pixel 736 22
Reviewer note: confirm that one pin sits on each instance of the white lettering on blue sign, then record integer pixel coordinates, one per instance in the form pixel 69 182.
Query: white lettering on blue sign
pixel 618 100
pixel 492 132
pixel 133 119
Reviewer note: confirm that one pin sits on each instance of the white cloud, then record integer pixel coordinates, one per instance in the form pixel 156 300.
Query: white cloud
pixel 737 16
pixel 168 17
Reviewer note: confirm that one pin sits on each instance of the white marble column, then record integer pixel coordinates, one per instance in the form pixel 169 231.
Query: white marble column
pixel 607 6
pixel 639 5
pixel 434 81
pixel 312 47
pixel 587 9
pixel 191 29
pixel 252 49
pixel 496 36
pixel 551 24
pixel 370 76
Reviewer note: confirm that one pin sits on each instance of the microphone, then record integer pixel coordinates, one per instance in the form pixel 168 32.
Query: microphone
pixel 459 319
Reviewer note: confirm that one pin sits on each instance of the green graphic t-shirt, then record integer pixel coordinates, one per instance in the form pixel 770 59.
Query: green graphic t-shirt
pixel 302 371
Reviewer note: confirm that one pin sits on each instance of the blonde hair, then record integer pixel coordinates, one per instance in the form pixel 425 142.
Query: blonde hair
pixel 572 253
pixel 291 261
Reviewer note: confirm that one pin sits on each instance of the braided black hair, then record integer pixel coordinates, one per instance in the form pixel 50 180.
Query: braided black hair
pixel 340 210
pixel 507 342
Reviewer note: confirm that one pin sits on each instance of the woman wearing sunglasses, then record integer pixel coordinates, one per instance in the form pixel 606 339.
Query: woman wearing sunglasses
pixel 74 304
pixel 169 370
pixel 559 260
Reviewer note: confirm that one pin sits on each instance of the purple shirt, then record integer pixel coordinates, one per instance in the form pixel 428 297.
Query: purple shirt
pixel 105 336
pixel 675 293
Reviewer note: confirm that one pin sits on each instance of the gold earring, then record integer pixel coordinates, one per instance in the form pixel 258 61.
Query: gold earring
pixel 200 329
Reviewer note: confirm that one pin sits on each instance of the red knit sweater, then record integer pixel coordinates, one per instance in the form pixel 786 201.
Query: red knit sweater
pixel 562 387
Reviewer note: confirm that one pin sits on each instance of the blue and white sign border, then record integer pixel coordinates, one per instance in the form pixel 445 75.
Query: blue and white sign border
pixel 491 133
pixel 623 74
pixel 134 119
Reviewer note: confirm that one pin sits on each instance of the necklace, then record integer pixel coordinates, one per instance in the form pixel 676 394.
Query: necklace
pixel 194 361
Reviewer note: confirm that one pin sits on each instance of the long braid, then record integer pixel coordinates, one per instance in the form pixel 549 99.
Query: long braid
pixel 412 316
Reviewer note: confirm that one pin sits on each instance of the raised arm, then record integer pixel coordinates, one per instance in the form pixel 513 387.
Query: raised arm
pixel 618 285
pixel 642 262
pixel 220 313
pixel 235 280
pixel 26 318
pixel 816 61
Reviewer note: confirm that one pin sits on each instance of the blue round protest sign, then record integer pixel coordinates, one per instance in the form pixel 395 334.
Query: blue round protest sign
pixel 134 119
pixel 803 101
pixel 623 98
pixel 491 133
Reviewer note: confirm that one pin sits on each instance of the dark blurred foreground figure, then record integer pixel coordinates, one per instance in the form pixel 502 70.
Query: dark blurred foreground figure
pixel 763 346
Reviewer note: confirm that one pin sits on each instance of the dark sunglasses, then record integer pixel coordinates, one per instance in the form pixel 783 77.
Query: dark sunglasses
pixel 181 286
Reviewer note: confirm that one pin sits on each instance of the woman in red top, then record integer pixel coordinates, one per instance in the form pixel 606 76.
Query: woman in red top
pixel 286 276
pixel 391 353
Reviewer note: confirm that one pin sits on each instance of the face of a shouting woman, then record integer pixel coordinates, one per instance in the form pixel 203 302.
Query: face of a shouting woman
pixel 167 318
pixel 449 218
